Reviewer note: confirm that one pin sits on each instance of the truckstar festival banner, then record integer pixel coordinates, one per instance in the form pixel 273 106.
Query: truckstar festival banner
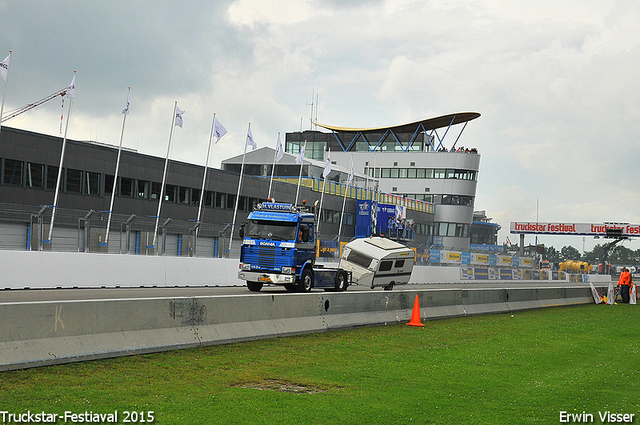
pixel 583 229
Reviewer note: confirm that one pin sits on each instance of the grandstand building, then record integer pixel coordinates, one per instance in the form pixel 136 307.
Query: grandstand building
pixel 424 161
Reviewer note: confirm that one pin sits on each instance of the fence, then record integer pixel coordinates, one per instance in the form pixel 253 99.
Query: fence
pixel 25 228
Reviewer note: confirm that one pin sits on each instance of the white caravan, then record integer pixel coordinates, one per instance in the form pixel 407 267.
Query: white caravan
pixel 377 261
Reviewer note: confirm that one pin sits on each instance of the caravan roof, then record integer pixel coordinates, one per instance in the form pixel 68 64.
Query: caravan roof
pixel 377 247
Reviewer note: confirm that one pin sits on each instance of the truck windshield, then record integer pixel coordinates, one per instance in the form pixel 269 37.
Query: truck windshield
pixel 273 230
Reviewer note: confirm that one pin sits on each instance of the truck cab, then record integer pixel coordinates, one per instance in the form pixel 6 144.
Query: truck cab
pixel 279 248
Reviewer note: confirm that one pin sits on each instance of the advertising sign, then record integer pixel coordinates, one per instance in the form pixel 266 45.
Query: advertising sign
pixel 586 229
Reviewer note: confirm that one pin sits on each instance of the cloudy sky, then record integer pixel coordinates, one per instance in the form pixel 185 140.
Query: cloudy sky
pixel 556 81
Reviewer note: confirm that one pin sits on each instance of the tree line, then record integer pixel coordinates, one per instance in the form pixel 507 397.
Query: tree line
pixel 618 255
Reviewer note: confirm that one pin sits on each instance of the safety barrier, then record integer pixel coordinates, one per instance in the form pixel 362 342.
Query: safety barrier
pixel 47 333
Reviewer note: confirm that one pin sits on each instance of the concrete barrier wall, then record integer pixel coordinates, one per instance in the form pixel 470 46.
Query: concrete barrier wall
pixel 46 333
pixel 33 269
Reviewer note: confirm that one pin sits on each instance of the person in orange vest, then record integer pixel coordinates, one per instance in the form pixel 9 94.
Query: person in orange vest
pixel 623 283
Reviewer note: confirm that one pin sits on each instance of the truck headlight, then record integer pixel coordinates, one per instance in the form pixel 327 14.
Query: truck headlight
pixel 287 270
pixel 245 266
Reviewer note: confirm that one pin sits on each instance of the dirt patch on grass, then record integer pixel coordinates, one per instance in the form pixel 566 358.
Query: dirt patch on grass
pixel 282 386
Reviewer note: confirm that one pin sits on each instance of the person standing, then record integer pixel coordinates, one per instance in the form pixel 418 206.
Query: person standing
pixel 623 283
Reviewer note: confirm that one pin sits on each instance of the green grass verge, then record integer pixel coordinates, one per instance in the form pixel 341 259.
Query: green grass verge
pixel 493 369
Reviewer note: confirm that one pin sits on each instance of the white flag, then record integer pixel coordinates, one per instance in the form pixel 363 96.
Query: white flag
pixel 300 156
pixel 179 117
pixel 327 166
pixel 250 140
pixel 279 149
pixel 126 109
pixel 4 68
pixel 218 130
pixel 71 91
pixel 351 173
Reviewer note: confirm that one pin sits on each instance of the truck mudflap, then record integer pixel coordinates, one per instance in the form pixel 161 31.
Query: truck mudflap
pixel 267 278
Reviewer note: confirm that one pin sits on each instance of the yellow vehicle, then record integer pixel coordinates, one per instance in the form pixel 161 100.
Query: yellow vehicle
pixel 572 266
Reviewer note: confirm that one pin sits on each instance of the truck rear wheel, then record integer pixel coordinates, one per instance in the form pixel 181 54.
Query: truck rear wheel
pixel 306 281
pixel 341 281
pixel 254 286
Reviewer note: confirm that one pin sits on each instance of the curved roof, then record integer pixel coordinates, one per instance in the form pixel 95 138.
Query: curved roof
pixel 428 124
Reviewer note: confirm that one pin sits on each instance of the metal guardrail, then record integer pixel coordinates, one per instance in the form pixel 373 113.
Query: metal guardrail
pixel 21 227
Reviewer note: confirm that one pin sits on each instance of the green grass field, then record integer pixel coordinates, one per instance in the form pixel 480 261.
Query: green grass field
pixel 495 369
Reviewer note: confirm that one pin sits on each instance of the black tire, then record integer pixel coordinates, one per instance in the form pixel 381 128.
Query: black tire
pixel 341 281
pixel 389 287
pixel 254 286
pixel 306 281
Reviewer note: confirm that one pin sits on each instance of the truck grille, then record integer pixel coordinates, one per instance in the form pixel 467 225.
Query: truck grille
pixel 267 257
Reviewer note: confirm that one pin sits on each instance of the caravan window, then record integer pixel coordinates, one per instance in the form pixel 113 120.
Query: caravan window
pixel 359 258
pixel 399 263
pixel 385 266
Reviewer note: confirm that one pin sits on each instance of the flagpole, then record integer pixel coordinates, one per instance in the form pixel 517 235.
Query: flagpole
pixel 64 145
pixel 206 166
pixel 275 153
pixel 235 210
pixel 300 175
pixel 324 184
pixel 4 92
pixel 164 176
pixel 344 199
pixel 115 177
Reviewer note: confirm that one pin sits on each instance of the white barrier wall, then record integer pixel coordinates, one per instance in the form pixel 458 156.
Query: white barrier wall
pixel 33 269
pixel 39 269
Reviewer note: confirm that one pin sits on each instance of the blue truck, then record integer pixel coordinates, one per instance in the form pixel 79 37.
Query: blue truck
pixel 279 248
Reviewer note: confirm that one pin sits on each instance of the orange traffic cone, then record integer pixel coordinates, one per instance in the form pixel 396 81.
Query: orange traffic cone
pixel 415 314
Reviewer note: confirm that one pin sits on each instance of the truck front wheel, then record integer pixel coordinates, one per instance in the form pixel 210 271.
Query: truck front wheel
pixel 306 281
pixel 254 286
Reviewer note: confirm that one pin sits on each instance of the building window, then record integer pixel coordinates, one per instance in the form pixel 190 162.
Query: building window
pixel 73 181
pixel 155 190
pixel 108 183
pixel 221 200
pixel 126 186
pixel 92 183
pixel 231 201
pixel 144 187
pixel 13 172
pixel 209 198
pixel 195 196
pixel 170 193
pixel 185 195
pixel 52 177
pixel 35 175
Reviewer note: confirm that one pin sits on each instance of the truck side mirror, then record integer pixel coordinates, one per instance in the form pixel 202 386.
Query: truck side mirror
pixel 241 231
